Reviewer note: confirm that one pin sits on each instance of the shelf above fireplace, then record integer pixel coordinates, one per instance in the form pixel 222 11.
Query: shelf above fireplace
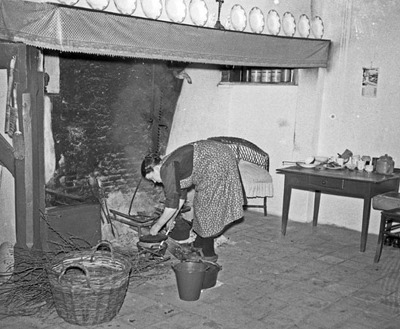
pixel 73 29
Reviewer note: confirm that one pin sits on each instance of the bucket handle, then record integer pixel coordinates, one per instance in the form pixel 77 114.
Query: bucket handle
pixel 103 243
pixel 191 261
pixel 211 263
pixel 76 265
pixel 207 261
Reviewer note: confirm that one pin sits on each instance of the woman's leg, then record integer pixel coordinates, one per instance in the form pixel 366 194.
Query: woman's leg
pixel 206 244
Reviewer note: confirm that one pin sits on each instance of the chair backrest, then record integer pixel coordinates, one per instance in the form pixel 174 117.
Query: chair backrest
pixel 245 150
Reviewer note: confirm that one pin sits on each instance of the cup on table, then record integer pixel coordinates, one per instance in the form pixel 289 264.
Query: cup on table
pixel 360 165
pixel 369 168
pixel 340 161
pixel 354 160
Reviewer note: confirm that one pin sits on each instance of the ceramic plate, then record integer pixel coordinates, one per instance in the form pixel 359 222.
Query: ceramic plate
pixel 273 22
pixel 304 26
pixel 198 12
pixel 288 24
pixel 68 2
pixel 126 7
pixel 176 10
pixel 256 20
pixel 306 165
pixel 317 27
pixel 238 18
pixel 152 8
pixel 98 4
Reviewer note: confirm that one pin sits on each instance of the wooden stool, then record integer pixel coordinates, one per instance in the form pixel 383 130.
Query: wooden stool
pixel 389 229
pixel 389 204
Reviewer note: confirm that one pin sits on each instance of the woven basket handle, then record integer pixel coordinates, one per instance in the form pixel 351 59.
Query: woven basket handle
pixel 81 267
pixel 103 243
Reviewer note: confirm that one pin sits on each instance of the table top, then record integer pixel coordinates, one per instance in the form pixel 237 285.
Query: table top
pixel 345 173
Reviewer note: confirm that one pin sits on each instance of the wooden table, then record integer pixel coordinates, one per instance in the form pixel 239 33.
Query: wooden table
pixel 344 182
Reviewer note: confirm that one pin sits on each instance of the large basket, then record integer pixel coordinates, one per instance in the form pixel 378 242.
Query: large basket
pixel 89 287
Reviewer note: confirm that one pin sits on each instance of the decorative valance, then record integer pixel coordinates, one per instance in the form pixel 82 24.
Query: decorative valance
pixel 79 30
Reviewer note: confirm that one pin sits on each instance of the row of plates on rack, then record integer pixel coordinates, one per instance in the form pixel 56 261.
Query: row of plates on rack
pixel 273 23
pixel 255 20
pixel 176 10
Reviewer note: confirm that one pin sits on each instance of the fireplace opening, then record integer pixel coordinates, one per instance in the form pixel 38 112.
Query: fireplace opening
pixel 109 113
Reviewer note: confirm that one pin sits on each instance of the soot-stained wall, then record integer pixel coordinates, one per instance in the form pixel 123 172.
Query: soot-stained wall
pixel 103 122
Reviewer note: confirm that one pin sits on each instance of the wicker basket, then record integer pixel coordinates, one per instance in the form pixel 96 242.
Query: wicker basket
pixel 89 287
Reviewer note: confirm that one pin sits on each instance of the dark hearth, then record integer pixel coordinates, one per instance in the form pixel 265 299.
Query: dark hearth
pixel 110 112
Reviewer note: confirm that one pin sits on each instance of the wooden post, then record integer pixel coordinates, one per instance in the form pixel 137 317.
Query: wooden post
pixel 36 90
pixel 27 131
pixel 20 192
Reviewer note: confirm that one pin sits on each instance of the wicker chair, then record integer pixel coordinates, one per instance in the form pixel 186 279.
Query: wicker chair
pixel 247 151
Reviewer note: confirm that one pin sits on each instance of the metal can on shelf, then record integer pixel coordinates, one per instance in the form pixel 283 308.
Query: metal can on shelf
pixel 246 75
pixel 265 75
pixel 286 75
pixel 255 75
pixel 276 75
pixel 225 75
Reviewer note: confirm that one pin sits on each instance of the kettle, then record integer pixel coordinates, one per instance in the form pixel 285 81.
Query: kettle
pixel 385 165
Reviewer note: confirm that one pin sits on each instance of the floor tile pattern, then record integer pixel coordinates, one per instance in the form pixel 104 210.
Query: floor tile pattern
pixel 312 278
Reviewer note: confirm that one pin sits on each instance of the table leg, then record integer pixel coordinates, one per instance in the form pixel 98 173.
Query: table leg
pixel 365 222
pixel 317 199
pixel 286 203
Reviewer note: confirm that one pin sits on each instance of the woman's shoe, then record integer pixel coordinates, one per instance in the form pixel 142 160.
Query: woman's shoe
pixel 212 259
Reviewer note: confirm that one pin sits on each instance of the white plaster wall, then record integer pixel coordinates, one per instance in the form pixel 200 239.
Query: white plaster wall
pixel 202 108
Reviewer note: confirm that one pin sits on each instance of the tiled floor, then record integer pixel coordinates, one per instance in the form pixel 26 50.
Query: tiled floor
pixel 311 278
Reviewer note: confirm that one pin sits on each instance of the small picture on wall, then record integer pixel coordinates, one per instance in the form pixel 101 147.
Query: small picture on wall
pixel 369 82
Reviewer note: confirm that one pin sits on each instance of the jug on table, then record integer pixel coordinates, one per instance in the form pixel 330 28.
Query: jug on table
pixel 385 165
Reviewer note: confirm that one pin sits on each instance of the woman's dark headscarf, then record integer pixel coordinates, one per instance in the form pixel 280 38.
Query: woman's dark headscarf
pixel 149 162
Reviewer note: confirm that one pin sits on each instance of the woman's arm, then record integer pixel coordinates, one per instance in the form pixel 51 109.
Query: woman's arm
pixel 168 216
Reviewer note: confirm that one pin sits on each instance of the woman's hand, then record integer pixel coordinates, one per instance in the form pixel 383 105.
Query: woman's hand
pixel 171 224
pixel 167 217
pixel 155 229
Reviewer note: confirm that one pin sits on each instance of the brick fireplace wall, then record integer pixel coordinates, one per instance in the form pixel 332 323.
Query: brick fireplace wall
pixel 103 125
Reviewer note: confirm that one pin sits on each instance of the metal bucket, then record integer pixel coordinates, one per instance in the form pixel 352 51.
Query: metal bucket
pixel 211 275
pixel 189 279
